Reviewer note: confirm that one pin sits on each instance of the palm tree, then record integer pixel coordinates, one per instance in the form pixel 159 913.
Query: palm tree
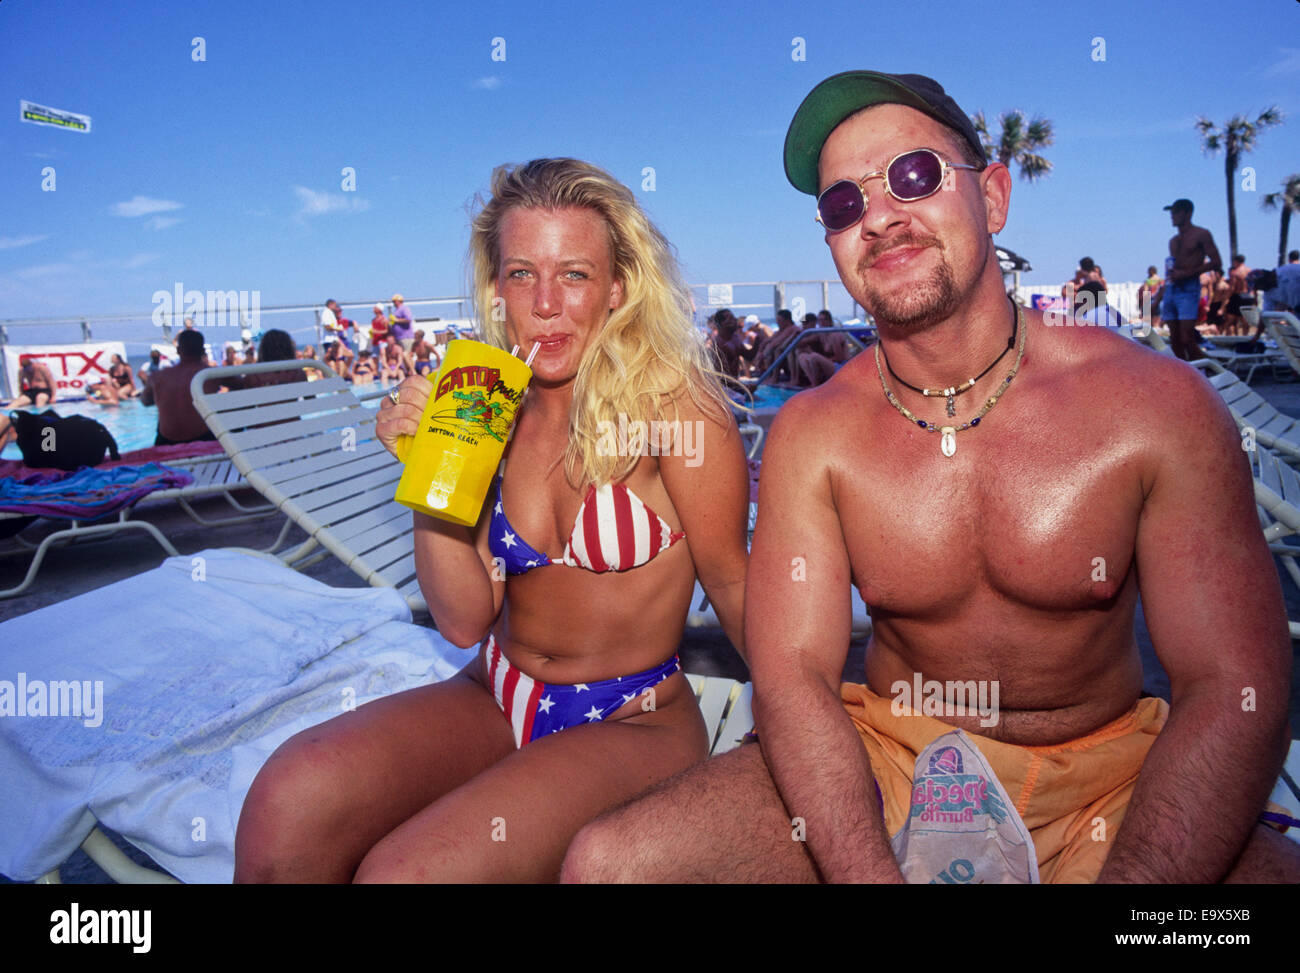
pixel 1018 142
pixel 1288 199
pixel 1236 137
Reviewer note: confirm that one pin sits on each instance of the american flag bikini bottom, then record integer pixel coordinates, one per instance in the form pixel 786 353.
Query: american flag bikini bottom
pixel 536 709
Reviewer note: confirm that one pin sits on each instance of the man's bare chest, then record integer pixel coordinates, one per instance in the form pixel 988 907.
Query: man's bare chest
pixel 1042 514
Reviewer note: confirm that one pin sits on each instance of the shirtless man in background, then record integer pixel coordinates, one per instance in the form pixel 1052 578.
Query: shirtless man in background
pixel 37 385
pixel 1010 553
pixel 1239 296
pixel 169 388
pixel 1190 250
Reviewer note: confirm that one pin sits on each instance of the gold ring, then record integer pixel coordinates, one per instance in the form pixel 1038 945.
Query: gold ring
pixel 393 395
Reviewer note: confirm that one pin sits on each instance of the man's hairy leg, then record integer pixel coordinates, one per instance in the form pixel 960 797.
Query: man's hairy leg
pixel 720 821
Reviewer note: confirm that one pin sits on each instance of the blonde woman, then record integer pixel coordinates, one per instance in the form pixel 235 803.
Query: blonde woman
pixel 575 583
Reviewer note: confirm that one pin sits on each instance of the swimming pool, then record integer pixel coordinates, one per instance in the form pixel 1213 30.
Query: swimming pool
pixel 132 423
pixel 770 397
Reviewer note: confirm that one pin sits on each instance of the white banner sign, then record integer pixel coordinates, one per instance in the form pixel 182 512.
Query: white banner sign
pixel 29 111
pixel 74 367
pixel 720 294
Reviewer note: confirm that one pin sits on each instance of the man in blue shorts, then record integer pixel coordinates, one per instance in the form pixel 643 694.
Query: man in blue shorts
pixel 1191 253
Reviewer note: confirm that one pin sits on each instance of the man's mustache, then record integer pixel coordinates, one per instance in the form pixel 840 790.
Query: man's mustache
pixel 905 241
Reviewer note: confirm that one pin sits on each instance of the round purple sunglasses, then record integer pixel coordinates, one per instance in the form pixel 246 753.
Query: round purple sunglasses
pixel 909 176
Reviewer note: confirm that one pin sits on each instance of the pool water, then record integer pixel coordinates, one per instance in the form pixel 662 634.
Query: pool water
pixel 132 423
pixel 771 396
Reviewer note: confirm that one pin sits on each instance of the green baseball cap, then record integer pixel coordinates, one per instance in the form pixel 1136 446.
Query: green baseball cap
pixel 840 96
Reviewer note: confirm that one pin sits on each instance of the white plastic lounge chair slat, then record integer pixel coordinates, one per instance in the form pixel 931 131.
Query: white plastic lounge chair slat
pixel 319 449
pixel 1257 419
pixel 221 474
pixel 382 551
pixel 324 389
pixel 290 469
pixel 1288 479
pixel 344 509
pixel 1281 479
pixel 714 697
pixel 238 420
pixel 377 575
pixel 287 413
pixel 301 476
pixel 1277 426
pixel 403 572
pixel 738 721
pixel 390 551
pixel 230 409
pixel 238 401
pixel 330 490
pixel 1265 470
pixel 371 541
pixel 332 424
pixel 394 518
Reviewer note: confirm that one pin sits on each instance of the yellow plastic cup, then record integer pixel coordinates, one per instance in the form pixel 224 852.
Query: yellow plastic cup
pixel 452 459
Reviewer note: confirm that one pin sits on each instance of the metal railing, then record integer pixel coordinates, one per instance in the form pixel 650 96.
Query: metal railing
pixel 214 322
pixel 780 294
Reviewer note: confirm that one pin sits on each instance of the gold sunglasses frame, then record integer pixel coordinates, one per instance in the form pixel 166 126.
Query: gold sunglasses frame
pixel 945 165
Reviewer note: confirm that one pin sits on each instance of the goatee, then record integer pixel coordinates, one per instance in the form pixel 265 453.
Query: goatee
pixel 915 307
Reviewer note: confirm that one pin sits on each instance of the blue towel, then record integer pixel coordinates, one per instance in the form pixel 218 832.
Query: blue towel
pixel 88 494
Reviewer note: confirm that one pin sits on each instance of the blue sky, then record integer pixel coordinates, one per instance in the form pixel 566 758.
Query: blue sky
pixel 226 173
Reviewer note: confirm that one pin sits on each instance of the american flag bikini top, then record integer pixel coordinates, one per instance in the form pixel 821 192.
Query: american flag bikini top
pixel 614 531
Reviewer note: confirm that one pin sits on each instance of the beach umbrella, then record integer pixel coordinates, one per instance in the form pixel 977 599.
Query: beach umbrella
pixel 1011 263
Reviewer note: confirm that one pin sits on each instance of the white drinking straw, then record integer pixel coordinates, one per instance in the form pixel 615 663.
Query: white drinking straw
pixel 532 354
pixel 514 351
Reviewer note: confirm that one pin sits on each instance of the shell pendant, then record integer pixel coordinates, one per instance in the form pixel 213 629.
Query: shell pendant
pixel 948 440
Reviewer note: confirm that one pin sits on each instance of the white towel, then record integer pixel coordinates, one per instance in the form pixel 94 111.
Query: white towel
pixel 208 663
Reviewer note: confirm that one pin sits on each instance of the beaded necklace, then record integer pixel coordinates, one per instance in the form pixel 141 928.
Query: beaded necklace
pixel 948 439
pixel 954 390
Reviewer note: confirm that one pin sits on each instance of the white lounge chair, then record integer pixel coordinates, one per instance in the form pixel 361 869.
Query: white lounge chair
pixel 1277 493
pixel 310 449
pixel 1255 416
pixel 1285 329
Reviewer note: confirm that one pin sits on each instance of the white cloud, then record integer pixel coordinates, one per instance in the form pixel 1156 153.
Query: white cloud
pixel 489 83
pixel 46 270
pixel 143 206
pixel 79 265
pixel 162 222
pixel 312 203
pixel 1289 64
pixel 10 242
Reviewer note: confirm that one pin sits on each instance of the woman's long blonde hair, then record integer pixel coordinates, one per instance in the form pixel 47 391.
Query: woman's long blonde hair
pixel 648 351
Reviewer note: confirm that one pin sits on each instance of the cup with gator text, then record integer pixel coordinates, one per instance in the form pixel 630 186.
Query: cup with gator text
pixel 453 457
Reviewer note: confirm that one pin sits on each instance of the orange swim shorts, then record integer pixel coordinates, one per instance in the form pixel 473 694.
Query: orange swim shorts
pixel 1071 796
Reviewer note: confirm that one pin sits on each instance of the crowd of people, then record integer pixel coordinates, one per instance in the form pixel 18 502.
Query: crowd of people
pixel 749 348
pixel 1195 299
pixel 393 349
